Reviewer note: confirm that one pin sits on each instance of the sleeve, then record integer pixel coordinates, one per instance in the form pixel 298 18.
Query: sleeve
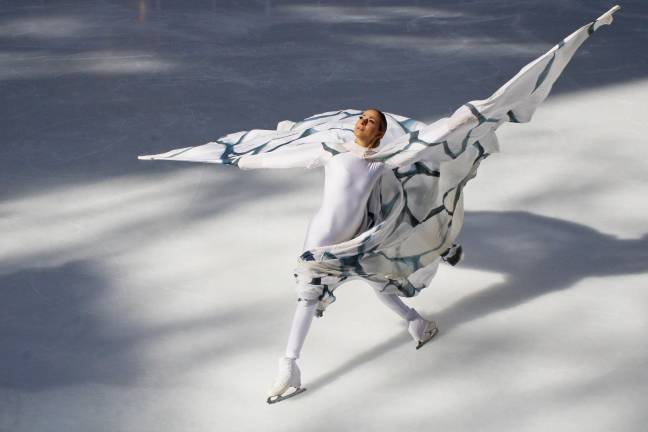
pixel 308 143
pixel 307 155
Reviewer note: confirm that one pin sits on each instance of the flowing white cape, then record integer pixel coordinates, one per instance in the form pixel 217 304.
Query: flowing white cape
pixel 415 211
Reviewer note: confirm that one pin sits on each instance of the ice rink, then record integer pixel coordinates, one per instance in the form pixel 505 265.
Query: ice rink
pixel 143 296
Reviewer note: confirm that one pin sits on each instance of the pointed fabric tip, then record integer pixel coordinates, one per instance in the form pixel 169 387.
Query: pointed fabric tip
pixel 606 18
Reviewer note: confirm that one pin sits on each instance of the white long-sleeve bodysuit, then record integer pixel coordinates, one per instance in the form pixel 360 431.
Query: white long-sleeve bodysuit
pixel 349 179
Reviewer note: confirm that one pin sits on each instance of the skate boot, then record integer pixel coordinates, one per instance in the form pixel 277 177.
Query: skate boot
pixel 421 329
pixel 453 255
pixel 289 377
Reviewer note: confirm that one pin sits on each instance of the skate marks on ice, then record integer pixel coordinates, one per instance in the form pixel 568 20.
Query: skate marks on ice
pixel 538 255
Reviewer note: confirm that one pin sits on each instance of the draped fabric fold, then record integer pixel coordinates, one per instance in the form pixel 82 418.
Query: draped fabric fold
pixel 415 211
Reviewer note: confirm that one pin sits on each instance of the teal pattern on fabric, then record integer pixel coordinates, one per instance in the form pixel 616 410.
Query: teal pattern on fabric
pixel 415 211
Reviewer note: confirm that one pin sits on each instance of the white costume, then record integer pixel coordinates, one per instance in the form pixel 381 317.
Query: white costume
pixel 349 180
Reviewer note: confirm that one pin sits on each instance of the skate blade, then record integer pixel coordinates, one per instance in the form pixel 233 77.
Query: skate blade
pixel 426 340
pixel 275 399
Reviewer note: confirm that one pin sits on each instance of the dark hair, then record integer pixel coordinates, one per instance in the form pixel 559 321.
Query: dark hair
pixel 383 123
pixel 383 119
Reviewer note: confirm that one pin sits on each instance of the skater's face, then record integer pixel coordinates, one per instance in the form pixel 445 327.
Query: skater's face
pixel 367 128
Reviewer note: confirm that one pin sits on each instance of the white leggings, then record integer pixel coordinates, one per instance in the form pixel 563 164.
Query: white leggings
pixel 305 312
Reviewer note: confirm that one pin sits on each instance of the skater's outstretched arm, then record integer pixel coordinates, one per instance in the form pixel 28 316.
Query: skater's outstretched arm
pixel 305 144
pixel 476 121
pixel 257 149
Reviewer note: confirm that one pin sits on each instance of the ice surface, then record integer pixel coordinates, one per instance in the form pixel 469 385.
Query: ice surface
pixel 139 296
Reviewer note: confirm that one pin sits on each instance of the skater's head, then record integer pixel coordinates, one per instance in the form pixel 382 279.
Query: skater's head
pixel 370 127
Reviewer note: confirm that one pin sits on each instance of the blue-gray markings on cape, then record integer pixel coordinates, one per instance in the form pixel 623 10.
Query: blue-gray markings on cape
pixel 415 211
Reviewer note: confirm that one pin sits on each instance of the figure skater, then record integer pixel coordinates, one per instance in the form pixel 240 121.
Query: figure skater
pixel 393 194
pixel 349 180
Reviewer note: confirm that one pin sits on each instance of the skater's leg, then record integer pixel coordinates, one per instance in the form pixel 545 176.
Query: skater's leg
pixel 418 327
pixel 302 319
pixel 393 302
pixel 289 374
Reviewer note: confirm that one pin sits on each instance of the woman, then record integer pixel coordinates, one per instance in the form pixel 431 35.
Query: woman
pixel 393 201
pixel 349 180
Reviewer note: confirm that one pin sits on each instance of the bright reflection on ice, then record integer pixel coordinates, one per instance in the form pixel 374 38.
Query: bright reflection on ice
pixel 143 10
pixel 462 46
pixel 89 221
pixel 44 64
pixel 43 27
pixel 347 14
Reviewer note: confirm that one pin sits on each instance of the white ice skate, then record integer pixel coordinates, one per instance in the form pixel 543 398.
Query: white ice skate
pixel 422 330
pixel 289 377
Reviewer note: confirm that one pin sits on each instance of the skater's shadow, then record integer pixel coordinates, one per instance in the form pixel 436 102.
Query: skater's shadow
pixel 536 254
